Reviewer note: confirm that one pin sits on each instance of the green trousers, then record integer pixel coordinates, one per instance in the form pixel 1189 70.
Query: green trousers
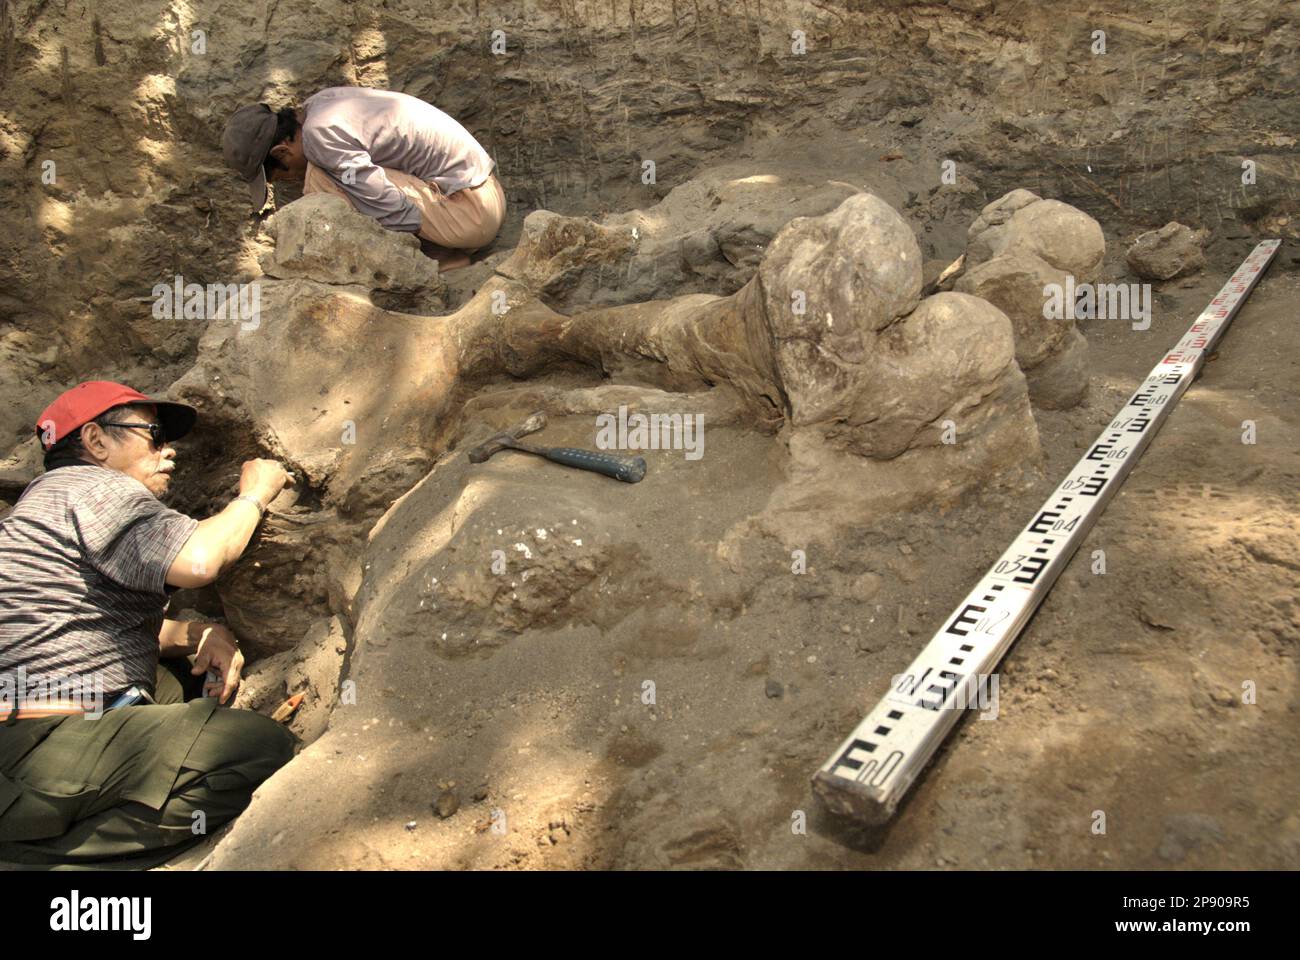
pixel 134 787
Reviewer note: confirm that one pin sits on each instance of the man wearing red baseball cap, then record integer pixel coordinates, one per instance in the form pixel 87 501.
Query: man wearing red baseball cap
pixel 101 757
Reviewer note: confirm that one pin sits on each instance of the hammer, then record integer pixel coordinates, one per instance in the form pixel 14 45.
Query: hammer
pixel 627 469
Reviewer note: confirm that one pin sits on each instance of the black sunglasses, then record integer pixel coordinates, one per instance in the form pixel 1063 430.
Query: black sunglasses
pixel 156 435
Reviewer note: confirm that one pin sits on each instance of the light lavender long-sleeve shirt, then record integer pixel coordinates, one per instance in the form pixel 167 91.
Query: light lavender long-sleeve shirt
pixel 353 132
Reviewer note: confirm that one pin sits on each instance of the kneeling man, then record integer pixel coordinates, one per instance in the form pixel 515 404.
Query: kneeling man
pixel 88 559
pixel 392 156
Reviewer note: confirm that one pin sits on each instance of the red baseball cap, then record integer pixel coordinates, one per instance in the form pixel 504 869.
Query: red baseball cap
pixel 84 402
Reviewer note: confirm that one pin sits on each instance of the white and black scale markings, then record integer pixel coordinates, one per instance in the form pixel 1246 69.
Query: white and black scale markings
pixel 872 769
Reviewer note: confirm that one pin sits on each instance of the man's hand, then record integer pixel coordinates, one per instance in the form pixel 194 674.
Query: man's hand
pixel 219 541
pixel 217 650
pixel 263 479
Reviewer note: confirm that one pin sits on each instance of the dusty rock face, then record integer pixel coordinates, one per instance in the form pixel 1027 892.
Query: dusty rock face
pixel 854 349
pixel 506 566
pixel 1016 285
pixel 312 667
pixel 710 233
pixel 318 380
pixel 139 194
pixel 312 384
pixel 1022 224
pixel 1019 245
pixel 282 585
pixel 860 266
pixel 1061 380
pixel 565 260
pixel 821 333
pixel 1174 250
pixel 889 400
pixel 320 237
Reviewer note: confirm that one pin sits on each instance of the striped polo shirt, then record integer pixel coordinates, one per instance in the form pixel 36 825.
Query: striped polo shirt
pixel 84 556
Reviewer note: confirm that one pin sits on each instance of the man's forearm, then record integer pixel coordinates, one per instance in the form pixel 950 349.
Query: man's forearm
pixel 175 639
pixel 216 543
pixel 227 534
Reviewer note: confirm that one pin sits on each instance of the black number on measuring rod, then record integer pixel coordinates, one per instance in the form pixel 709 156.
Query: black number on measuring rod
pixel 1087 485
pixel 906 684
pixel 1166 378
pixel 1030 569
pixel 995 619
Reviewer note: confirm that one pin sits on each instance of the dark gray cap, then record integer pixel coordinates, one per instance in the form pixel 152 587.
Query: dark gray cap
pixel 248 138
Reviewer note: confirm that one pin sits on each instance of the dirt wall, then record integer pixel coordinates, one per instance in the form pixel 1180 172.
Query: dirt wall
pixel 111 178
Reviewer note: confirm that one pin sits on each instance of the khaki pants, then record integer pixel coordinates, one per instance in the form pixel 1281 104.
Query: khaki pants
pixel 465 220
pixel 133 787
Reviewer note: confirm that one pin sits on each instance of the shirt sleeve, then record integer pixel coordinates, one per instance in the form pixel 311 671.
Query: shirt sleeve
pixel 344 159
pixel 128 535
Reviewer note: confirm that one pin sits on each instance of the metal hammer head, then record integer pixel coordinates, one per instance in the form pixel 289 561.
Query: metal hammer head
pixel 499 441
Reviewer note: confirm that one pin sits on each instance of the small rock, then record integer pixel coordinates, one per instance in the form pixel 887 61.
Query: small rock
pixel 774 690
pixel 446 804
pixel 1185 832
pixel 480 793
pixel 410 825
pixel 866 586
pixel 870 643
pixel 1172 251
pixel 1159 611
pixel 1223 697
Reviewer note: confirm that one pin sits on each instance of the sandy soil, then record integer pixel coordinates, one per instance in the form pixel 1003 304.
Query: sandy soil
pixel 1123 695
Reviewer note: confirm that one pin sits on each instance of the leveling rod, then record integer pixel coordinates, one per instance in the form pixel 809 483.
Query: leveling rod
pixel 871 770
